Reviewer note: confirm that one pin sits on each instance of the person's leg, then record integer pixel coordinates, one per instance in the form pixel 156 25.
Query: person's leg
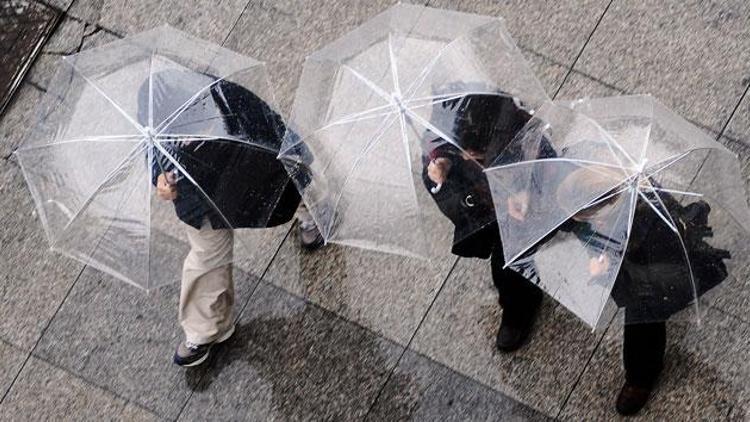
pixel 643 359
pixel 520 300
pixel 309 235
pixel 643 352
pixel 206 310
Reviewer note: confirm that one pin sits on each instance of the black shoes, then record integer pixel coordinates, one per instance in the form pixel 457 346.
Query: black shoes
pixel 515 328
pixel 309 235
pixel 632 399
pixel 189 354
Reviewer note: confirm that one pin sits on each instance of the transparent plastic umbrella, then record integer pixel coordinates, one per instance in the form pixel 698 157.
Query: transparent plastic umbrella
pixel 620 198
pixel 118 116
pixel 374 104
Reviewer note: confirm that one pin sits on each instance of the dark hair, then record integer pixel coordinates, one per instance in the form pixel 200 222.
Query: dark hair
pixel 482 122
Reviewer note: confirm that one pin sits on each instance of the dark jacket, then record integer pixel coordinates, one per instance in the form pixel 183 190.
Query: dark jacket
pixel 243 179
pixel 654 280
pixel 484 123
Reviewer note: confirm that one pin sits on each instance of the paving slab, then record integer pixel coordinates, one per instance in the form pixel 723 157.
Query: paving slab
pixel 737 137
pixel 580 85
pixel 283 33
pixel 705 377
pixel 541 26
pixel 12 361
pixel 692 55
pixel 460 329
pixel 291 360
pixel 208 20
pixel 44 392
pixel 71 36
pixel 33 280
pixel 122 338
pixel 17 118
pixel 24 27
pixel 439 393
pixel 386 293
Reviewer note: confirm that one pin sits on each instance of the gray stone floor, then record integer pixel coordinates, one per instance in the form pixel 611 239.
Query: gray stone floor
pixel 316 338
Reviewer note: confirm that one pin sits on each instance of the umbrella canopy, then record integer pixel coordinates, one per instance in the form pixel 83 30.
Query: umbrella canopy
pixel 118 116
pixel 364 120
pixel 620 198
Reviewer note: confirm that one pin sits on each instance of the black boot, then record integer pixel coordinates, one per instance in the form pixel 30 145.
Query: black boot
pixel 515 327
pixel 632 398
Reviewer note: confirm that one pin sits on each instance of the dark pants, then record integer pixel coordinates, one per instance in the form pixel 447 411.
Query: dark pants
pixel 643 352
pixel 643 345
pixel 519 297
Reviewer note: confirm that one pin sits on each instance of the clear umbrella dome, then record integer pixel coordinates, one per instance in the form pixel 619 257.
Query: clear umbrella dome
pixel 620 189
pixel 365 108
pixel 112 117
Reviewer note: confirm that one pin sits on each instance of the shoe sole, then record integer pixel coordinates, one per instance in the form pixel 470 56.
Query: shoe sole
pixel 220 340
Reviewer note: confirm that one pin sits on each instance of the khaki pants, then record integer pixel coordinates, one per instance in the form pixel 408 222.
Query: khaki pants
pixel 207 292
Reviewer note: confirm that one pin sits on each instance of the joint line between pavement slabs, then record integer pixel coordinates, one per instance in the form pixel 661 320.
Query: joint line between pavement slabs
pixel 41 334
pixel 580 52
pixel 734 111
pixel 239 315
pixel 96 385
pixel 236 21
pixel 585 367
pixel 411 339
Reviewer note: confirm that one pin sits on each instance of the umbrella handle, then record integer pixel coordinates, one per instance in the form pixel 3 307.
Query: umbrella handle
pixel 436 189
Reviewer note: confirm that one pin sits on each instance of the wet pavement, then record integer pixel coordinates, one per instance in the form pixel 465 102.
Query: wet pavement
pixel 24 27
pixel 343 334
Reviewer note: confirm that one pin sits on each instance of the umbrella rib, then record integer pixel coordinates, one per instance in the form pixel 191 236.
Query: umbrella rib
pixel 556 159
pixel 657 211
pixel 675 158
pixel 132 154
pixel 684 251
pixel 370 84
pixel 84 139
pixel 405 141
pixel 188 137
pixel 554 227
pixel 394 68
pixel 437 99
pixel 175 114
pixel 665 163
pixel 106 97
pixel 433 129
pixel 364 116
pixel 187 175
pixel 678 192
pixel 151 91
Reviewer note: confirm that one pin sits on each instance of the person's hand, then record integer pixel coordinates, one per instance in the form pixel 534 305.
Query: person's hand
pixel 166 186
pixel 518 205
pixel 598 265
pixel 438 170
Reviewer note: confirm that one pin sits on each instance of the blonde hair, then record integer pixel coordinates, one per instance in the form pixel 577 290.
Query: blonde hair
pixel 581 183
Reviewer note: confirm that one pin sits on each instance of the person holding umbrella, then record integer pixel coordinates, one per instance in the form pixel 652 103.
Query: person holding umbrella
pixel 482 125
pixel 161 114
pixel 637 210
pixel 217 187
pixel 653 282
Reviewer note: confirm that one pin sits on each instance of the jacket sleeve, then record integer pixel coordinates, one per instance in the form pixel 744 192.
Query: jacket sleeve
pixel 159 164
pixel 450 190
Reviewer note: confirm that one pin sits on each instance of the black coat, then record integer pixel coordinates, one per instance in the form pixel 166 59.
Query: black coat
pixel 485 123
pixel 245 182
pixel 654 281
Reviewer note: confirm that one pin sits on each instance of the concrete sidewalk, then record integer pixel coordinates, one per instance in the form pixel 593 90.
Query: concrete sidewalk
pixel 345 334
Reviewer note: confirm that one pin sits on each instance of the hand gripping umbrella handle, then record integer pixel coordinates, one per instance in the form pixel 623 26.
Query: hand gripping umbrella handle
pixel 434 190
